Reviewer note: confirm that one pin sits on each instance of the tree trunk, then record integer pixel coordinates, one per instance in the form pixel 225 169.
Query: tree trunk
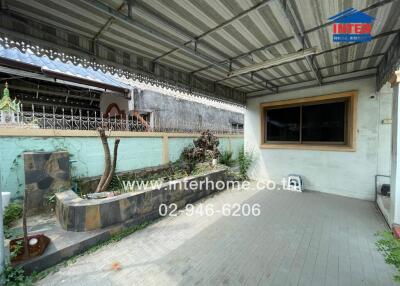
pixel 114 163
pixel 107 160
pixel 25 227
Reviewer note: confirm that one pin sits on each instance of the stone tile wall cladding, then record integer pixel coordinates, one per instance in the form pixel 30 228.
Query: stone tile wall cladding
pixel 77 214
pixel 45 173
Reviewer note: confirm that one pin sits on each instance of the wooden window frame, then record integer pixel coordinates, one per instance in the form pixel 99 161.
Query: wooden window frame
pixel 350 120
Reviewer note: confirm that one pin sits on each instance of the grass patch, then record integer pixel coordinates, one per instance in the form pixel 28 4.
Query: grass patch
pixel 390 248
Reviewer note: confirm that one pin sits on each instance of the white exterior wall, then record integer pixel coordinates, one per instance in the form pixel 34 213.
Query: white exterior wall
pixel 343 173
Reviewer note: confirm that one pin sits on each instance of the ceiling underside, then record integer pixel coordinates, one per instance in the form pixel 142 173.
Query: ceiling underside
pixel 243 31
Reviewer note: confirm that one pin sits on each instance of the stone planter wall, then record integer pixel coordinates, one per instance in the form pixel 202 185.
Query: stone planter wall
pixel 77 214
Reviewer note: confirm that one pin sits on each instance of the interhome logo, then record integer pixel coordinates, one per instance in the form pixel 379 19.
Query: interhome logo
pixel 352 25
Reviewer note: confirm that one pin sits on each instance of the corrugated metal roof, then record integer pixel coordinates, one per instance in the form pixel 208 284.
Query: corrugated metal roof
pixel 58 66
pixel 185 20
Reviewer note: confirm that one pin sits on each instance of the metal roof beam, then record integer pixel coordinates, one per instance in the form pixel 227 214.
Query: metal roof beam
pixel 327 77
pixel 321 68
pixel 299 36
pixel 389 63
pixel 99 6
pixel 219 27
pixel 270 45
pixel 315 85
pixel 195 40
pixel 107 25
pixel 382 35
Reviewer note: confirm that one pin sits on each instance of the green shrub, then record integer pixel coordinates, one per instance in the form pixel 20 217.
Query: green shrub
pixel 226 158
pixel 390 248
pixel 245 159
pixel 11 213
pixel 15 276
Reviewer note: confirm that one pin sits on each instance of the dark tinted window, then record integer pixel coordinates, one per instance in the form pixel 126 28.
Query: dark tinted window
pixel 324 122
pixel 283 124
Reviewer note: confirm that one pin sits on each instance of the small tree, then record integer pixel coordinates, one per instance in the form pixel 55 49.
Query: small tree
pixel 109 169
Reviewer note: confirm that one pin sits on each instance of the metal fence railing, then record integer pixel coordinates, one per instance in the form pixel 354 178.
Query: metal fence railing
pixel 45 120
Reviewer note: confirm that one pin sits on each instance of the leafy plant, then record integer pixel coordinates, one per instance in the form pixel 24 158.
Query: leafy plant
pixel 390 248
pixel 11 213
pixel 15 276
pixel 226 158
pixel 245 159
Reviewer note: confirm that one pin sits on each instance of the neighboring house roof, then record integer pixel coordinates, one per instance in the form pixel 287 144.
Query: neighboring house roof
pixel 55 68
pixel 58 69
pixel 352 16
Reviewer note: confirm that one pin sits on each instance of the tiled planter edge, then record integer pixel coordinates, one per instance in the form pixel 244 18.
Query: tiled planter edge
pixel 77 214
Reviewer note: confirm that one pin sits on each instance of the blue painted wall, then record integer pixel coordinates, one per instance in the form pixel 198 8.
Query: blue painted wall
pixel 86 154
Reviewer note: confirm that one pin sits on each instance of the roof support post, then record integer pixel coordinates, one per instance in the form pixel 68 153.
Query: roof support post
pixel 394 214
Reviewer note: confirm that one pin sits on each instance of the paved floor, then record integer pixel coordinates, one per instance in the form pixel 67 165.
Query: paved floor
pixel 298 239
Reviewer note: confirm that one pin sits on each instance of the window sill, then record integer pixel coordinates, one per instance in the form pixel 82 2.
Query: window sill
pixel 344 148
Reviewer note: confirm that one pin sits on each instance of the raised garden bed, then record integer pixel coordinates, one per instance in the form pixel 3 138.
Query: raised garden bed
pixel 87 185
pixel 78 214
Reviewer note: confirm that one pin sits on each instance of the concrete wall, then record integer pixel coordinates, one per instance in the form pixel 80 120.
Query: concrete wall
pixel 344 173
pixel 86 153
pixel 170 111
